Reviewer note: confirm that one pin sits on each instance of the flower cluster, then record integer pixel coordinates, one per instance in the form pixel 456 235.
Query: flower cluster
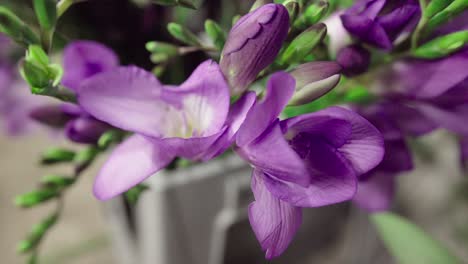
pixel 320 119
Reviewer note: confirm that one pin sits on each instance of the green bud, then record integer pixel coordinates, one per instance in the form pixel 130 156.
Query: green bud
pixel 16 29
pixel 293 9
pixel 259 3
pixel 442 46
pixel 216 33
pixel 57 155
pixel 435 6
pixel 36 76
pixel 133 195
pixel 85 157
pixel 183 34
pixel 37 233
pixel 303 44
pixel 162 47
pixel 55 73
pixel 313 14
pixel 451 11
pixel 184 3
pixel 46 12
pixel 36 197
pixel 37 55
pixel 108 138
pixel 159 70
pixel 57 181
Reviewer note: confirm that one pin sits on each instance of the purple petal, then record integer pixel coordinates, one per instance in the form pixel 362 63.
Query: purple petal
pixel 452 121
pixel 130 98
pixel 253 44
pixel 364 146
pixel 83 59
pixel 204 98
pixel 280 88
pixel 376 194
pixel 134 160
pixel 397 157
pixel 272 154
pixel 367 30
pixel 273 221
pixel 332 180
pixel 398 19
pixel 50 115
pixel 85 130
pixel 236 117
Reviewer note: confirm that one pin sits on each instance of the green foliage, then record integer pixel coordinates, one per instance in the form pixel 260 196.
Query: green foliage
pixel 46 12
pixel 133 195
pixel 36 197
pixel 184 3
pixel 303 44
pixel 183 34
pixel 57 155
pixel 37 233
pixel 408 243
pixel 435 6
pixel 442 46
pixel 451 11
pixel 216 33
pixel 16 29
pixel 57 181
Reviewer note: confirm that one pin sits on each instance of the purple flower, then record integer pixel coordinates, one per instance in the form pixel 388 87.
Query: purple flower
pixel 83 59
pixel 380 22
pixel 253 44
pixel 354 59
pixel 192 121
pixel 376 188
pixel 306 161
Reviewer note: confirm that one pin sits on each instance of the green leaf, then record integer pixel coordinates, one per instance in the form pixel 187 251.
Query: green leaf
pixel 46 12
pixel 303 44
pixel 435 6
pixel 442 46
pixel 183 34
pixel 16 29
pixel 57 155
pixel 36 197
pixel 451 11
pixel 216 33
pixel 408 243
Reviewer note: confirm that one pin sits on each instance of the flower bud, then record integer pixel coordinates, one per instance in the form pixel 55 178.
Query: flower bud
pixel 354 59
pixel 303 44
pixel 253 44
pixel 86 130
pixel 50 115
pixel 313 80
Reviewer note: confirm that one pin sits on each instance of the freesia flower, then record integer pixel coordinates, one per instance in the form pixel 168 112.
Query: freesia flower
pixel 307 161
pixel 380 22
pixel 81 60
pixel 253 44
pixel 376 188
pixel 192 121
pixel 354 59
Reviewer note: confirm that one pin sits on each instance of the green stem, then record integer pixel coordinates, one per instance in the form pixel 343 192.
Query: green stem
pixel 63 6
pixel 420 27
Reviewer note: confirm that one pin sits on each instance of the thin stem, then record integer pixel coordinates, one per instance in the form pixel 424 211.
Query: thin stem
pixel 63 6
pixel 420 27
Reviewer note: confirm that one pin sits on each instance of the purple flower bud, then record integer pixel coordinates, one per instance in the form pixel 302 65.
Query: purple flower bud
pixel 253 44
pixel 380 22
pixel 354 59
pixel 85 130
pixel 50 115
pixel 314 80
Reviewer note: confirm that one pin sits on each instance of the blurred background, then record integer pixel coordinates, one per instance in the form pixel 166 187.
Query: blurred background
pixel 208 224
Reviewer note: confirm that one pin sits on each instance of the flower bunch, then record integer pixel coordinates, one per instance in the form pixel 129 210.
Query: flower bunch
pixel 321 119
